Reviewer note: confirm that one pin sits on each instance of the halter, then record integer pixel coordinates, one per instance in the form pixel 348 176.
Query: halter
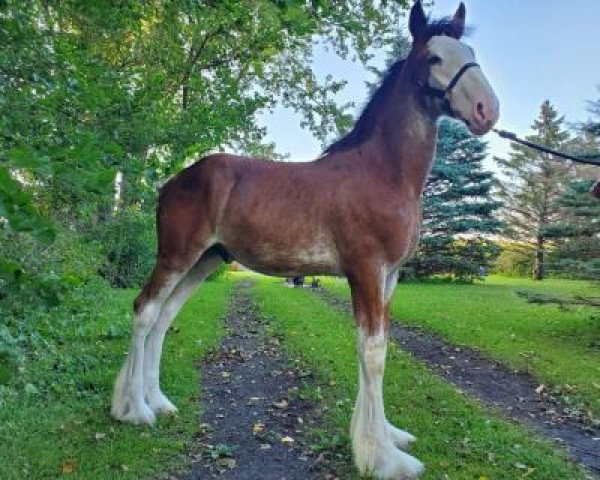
pixel 443 94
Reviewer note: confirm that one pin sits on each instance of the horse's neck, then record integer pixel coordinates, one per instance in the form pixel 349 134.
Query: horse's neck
pixel 408 134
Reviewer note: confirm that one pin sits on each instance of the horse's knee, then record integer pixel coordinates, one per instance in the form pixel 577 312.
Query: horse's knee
pixel 145 315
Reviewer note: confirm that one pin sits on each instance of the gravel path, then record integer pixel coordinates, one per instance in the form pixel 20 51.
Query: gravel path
pixel 255 421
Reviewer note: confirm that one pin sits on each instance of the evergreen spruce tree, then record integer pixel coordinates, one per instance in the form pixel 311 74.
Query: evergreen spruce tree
pixel 577 253
pixel 535 180
pixel 457 209
pixel 577 233
pixel 592 126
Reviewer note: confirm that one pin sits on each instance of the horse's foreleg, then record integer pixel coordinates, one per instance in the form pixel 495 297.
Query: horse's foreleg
pixel 400 438
pixel 156 400
pixel 373 438
pixel 128 398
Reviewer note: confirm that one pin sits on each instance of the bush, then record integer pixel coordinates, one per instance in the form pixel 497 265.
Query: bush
pixel 43 288
pixel 575 269
pixel 461 260
pixel 128 244
pixel 577 258
pixel 515 260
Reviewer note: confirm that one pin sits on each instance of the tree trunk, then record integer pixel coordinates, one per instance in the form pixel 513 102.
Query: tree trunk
pixel 538 267
pixel 118 197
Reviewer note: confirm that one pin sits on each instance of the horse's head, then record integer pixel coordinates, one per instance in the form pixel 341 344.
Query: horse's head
pixel 446 72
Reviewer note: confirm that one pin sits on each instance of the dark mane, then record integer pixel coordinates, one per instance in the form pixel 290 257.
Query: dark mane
pixel 363 128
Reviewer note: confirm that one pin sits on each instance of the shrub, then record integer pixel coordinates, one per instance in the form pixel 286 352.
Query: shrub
pixel 578 258
pixel 128 245
pixel 43 288
pixel 515 260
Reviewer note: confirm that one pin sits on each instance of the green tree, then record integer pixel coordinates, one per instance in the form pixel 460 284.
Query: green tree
pixel 534 181
pixel 592 126
pixel 458 209
pixel 577 233
pixel 89 89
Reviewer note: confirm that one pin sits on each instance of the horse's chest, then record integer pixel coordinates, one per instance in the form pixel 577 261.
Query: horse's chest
pixel 403 236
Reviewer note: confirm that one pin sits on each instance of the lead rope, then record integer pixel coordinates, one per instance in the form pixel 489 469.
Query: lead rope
pixel 588 160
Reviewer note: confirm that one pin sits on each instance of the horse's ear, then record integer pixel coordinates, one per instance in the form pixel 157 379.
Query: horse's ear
pixel 459 20
pixel 417 22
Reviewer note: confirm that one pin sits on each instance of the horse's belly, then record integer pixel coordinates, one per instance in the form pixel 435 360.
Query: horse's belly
pixel 282 260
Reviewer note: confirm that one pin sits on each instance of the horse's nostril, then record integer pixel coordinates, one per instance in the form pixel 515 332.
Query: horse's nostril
pixel 480 110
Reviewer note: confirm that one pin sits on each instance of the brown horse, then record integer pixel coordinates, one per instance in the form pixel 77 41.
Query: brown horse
pixel 355 212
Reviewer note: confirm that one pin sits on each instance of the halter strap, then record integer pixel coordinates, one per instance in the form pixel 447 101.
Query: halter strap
pixel 438 92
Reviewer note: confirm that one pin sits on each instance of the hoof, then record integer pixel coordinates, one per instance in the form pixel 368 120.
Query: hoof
pixel 389 463
pixel 158 403
pixel 118 410
pixel 140 414
pixel 400 438
pixel 397 465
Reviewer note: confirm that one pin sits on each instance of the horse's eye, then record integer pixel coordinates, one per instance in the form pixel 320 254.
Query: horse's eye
pixel 434 60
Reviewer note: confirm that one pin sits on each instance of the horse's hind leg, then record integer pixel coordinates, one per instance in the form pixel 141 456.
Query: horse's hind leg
pixel 128 398
pixel 156 400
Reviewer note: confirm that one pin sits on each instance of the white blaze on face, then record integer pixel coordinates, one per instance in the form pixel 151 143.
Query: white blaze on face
pixel 472 98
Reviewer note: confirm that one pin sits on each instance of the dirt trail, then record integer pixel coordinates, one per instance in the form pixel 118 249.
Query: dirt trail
pixel 255 423
pixel 513 393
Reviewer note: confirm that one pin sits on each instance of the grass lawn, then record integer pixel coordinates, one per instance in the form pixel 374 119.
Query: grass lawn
pixel 63 426
pixel 560 346
pixel 457 439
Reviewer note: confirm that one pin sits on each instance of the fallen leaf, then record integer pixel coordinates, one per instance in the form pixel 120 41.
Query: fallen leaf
pixel 258 427
pixel 228 463
pixel 287 440
pixel 540 389
pixel 529 471
pixel 68 466
pixel 99 435
pixel 282 405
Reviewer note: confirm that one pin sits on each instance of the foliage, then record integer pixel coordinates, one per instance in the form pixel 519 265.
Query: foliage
pixel 577 234
pixel 92 90
pixel 515 259
pixel 44 281
pixel 128 244
pixel 458 209
pixel 592 126
pixel 55 412
pixel 534 181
